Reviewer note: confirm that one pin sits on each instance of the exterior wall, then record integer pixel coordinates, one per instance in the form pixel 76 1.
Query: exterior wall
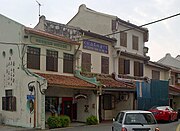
pixel 124 105
pixel 11 31
pixel 96 57
pixel 91 102
pixel 94 23
pixel 13 77
pixel 164 75
pixel 17 80
pixel 43 56
pixel 129 47
pixel 119 105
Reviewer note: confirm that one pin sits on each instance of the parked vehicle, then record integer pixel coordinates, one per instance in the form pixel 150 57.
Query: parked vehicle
pixel 165 113
pixel 135 120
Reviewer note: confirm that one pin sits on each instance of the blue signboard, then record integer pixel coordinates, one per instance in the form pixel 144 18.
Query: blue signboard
pixel 95 46
pixel 30 97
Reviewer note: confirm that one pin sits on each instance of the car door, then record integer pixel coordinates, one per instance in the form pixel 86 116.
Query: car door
pixel 117 124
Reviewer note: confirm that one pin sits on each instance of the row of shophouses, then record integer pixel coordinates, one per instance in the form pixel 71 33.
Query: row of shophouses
pixel 80 69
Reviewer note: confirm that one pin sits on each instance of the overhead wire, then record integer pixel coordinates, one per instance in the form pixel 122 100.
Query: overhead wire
pixel 131 28
pixel 117 32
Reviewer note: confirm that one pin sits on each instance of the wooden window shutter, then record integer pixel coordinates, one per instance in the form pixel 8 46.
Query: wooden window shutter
pixel 3 103
pixel 68 63
pixel 86 62
pixel 155 75
pixel 114 25
pixel 121 66
pixel 33 58
pixel 136 68
pixel 52 60
pixel 141 69
pixel 123 39
pixel 135 42
pixel 104 65
pixel 127 66
pixel 13 103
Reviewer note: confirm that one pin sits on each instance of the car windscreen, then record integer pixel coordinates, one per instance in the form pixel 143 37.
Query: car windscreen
pixel 139 119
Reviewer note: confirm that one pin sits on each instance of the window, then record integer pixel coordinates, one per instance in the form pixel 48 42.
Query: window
pixel 172 80
pixel 123 39
pixel 120 117
pixel 155 75
pixel 33 58
pixel 138 68
pixel 136 118
pixel 9 101
pixel 68 63
pixel 114 25
pixel 52 60
pixel 135 41
pixel 86 62
pixel 124 66
pixel 104 65
pixel 108 102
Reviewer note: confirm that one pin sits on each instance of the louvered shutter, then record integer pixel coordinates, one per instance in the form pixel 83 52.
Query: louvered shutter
pixel 127 66
pixel 121 66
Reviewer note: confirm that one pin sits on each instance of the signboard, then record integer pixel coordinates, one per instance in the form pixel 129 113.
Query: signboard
pixel 47 42
pixel 95 46
pixel 30 97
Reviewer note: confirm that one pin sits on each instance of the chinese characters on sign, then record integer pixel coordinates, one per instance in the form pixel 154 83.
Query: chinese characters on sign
pixel 91 45
pixel 43 41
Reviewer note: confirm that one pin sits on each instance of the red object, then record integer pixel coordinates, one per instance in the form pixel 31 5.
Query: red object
pixel 123 129
pixel 165 113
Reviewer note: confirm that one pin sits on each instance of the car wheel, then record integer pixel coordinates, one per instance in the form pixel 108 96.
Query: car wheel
pixel 169 118
pixel 176 118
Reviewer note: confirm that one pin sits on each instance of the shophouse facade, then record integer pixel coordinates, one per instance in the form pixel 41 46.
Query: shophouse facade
pixel 95 59
pixel 20 88
pixel 129 55
pixel 38 76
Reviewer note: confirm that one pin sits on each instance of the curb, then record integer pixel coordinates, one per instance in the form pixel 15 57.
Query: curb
pixel 178 128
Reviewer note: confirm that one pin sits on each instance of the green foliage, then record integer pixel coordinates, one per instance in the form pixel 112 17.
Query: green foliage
pixel 65 120
pixel 58 121
pixel 92 120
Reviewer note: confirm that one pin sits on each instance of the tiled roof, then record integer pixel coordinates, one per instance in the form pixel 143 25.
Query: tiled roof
pixel 66 81
pixel 174 88
pixel 109 82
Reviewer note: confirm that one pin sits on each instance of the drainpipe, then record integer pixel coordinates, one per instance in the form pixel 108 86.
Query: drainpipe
pixel 75 55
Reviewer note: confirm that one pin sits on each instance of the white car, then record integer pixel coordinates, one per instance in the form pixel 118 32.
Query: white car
pixel 135 120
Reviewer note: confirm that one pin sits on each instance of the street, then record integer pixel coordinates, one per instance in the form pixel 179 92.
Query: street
pixel 107 127
pixel 101 127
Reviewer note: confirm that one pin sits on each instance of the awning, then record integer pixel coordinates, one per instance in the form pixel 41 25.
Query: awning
pixel 111 84
pixel 67 82
pixel 174 90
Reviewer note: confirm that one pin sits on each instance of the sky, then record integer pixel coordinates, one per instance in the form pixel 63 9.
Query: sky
pixel 164 36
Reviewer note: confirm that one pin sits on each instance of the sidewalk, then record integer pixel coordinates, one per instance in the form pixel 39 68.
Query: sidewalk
pixel 73 124
pixel 15 128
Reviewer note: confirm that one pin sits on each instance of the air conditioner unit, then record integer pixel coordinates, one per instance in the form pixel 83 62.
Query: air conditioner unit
pixel 123 97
